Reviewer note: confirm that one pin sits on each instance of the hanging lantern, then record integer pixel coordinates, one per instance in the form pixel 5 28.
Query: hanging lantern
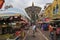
pixel 47 19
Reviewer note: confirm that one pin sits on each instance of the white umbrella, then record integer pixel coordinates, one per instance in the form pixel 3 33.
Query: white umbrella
pixel 9 14
pixel 13 12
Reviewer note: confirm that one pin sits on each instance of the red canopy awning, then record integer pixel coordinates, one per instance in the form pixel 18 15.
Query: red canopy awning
pixel 1 3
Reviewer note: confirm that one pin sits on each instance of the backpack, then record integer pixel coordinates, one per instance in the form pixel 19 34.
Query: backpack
pixel 58 30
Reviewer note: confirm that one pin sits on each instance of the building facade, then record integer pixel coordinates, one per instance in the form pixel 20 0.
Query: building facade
pixel 53 10
pixel 48 11
pixel 33 12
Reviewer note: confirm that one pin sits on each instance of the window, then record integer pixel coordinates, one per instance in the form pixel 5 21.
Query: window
pixel 55 9
pixel 55 0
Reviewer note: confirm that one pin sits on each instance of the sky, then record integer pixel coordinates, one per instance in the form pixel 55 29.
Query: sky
pixel 22 4
pixel 26 3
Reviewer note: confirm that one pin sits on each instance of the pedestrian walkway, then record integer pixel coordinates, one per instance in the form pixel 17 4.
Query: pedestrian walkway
pixel 46 33
pixel 38 36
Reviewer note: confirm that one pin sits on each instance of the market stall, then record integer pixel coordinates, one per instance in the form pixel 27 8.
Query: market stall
pixel 13 26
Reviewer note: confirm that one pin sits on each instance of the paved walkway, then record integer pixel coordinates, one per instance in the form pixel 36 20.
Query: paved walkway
pixel 38 35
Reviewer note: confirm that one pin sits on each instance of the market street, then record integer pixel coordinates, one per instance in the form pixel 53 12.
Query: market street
pixel 29 19
pixel 38 35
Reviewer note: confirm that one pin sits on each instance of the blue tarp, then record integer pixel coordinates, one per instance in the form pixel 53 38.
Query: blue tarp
pixel 45 26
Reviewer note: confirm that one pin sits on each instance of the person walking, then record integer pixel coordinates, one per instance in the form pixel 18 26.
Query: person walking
pixel 51 31
pixel 34 29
